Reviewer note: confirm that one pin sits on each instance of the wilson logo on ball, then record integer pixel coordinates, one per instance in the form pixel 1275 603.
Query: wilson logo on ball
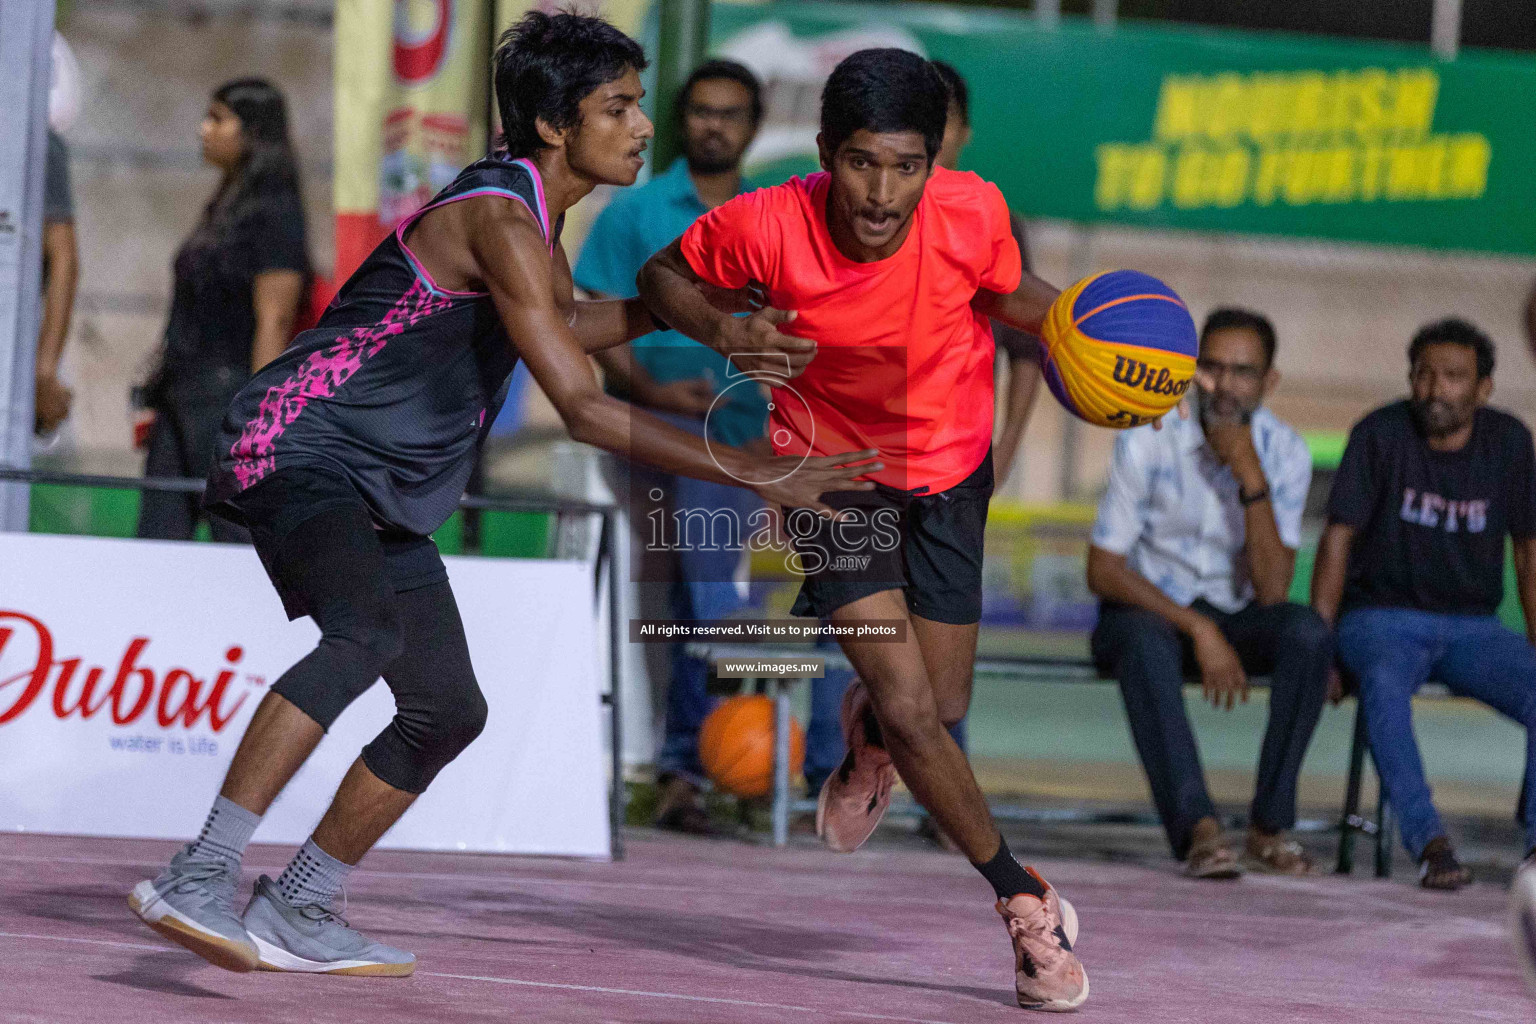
pixel 1136 374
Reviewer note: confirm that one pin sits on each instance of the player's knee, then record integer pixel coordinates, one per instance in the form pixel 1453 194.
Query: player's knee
pixel 349 658
pixel 952 696
pixel 420 742
pixel 464 721
pixel 911 722
pixel 952 711
pixel 454 723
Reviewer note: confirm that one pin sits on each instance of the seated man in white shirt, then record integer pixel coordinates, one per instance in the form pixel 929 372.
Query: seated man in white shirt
pixel 1192 556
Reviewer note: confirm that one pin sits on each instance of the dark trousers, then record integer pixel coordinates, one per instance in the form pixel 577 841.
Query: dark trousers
pixel 1150 658
pixel 181 443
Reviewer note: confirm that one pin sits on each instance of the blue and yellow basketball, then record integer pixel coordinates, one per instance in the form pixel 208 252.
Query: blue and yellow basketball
pixel 1120 348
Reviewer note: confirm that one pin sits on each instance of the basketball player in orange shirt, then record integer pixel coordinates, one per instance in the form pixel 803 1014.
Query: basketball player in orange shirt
pixel 881 272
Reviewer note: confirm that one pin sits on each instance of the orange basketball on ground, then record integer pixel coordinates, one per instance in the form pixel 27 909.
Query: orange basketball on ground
pixel 736 745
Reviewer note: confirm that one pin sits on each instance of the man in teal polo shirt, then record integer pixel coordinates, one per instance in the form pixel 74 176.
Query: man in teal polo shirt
pixel 718 109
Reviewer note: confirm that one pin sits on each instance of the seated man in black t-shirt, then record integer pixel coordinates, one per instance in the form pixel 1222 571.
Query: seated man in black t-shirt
pixel 1412 567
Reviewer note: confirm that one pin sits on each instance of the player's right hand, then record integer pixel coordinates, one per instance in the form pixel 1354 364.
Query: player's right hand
pixel 804 483
pixel 755 343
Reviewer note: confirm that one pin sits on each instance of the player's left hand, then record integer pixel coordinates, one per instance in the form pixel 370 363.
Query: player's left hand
pixel 754 344
pixel 797 482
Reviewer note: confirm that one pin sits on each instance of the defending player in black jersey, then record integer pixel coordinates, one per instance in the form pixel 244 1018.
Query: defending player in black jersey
pixel 346 452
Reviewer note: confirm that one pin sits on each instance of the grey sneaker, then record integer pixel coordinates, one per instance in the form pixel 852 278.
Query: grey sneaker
pixel 1522 918
pixel 192 904
pixel 315 939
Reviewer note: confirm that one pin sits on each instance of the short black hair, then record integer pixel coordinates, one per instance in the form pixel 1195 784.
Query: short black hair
pixel 1231 316
pixel 712 70
pixel 546 64
pixel 884 90
pixel 1454 331
pixel 959 92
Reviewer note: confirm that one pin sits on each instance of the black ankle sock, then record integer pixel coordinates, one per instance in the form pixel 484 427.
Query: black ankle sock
pixel 1008 878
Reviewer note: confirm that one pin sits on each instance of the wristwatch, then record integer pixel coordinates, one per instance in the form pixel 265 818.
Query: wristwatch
pixel 1250 499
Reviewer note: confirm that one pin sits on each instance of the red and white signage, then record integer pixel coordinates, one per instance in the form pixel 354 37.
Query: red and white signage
pixel 129 669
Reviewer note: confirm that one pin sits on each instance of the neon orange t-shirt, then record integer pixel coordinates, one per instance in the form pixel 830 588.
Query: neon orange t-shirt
pixel 903 364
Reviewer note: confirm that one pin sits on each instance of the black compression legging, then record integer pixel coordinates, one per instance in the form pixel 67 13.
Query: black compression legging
pixel 335 563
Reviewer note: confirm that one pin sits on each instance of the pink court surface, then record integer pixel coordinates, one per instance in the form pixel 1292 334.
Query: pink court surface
pixel 699 931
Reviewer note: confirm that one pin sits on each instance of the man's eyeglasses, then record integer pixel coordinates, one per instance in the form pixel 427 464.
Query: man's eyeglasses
pixel 1245 373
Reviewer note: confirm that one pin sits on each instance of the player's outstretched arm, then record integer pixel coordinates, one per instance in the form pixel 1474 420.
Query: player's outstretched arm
pixel 511 259
pixel 604 323
pixel 1024 307
pixel 601 324
pixel 681 298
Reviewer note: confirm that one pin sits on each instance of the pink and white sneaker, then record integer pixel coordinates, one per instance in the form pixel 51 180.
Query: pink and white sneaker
pixel 1047 974
pixel 855 797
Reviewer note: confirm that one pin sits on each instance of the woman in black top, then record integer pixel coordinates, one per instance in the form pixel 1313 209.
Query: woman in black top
pixel 239 281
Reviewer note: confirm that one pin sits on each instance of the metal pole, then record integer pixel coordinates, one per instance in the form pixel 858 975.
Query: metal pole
pixel 1384 829
pixel 25 48
pixel 607 546
pixel 1445 28
pixel 780 761
pixel 1349 822
pixel 1105 14
pixel 524 502
pixel 683 43
pixel 1048 13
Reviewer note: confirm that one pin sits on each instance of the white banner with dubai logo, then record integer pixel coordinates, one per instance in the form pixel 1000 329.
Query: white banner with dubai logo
pixel 129 669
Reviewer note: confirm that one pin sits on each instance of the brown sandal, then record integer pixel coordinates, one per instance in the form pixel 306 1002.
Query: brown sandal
pixel 1272 855
pixel 1212 859
pixel 1439 868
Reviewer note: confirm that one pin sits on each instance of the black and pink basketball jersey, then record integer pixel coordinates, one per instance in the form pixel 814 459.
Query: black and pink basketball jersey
pixel 396 387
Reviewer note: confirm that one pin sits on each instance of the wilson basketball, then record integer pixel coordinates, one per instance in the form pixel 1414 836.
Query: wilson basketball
pixel 1120 348
pixel 736 745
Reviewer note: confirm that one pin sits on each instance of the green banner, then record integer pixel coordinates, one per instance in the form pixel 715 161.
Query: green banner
pixel 1207 130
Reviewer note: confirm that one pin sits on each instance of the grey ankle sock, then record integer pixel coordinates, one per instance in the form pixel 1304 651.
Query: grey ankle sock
pixel 313 876
pixel 226 832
